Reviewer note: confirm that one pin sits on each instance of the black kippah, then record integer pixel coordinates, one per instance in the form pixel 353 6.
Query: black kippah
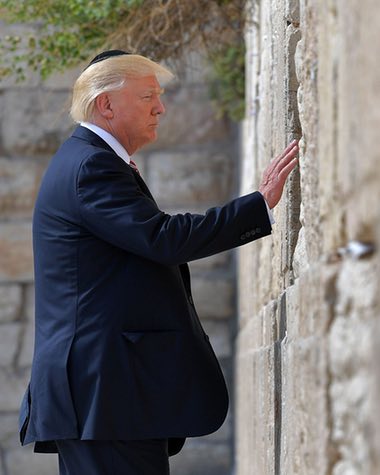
pixel 105 55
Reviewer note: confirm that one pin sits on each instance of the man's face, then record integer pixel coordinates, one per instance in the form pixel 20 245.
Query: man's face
pixel 136 109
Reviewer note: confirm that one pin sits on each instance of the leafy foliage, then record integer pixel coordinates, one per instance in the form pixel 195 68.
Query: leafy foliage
pixel 228 88
pixel 65 33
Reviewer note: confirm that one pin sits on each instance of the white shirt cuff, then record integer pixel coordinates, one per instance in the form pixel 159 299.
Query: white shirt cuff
pixel 270 214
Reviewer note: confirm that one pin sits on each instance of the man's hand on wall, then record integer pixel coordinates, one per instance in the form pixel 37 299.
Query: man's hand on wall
pixel 275 175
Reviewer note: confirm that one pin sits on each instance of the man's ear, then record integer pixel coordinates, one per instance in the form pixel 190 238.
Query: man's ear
pixel 104 105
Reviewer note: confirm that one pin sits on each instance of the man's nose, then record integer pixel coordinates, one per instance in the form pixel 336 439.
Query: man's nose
pixel 159 107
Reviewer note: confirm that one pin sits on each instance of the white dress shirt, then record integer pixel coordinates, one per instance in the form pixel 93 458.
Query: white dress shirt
pixel 109 139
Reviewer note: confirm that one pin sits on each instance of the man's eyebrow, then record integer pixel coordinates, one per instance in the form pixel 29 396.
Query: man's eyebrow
pixel 157 90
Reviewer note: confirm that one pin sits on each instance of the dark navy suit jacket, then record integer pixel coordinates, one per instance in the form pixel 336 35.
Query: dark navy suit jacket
pixel 119 349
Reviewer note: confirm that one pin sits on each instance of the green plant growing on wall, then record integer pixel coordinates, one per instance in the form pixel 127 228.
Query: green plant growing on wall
pixel 228 87
pixel 67 33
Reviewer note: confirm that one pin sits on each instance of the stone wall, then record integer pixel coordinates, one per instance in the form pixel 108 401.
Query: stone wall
pixel 190 168
pixel 308 339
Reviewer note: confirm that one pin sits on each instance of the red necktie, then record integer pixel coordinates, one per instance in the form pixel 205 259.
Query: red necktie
pixel 134 166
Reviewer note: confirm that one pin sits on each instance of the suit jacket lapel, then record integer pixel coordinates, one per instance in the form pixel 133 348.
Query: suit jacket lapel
pixel 85 134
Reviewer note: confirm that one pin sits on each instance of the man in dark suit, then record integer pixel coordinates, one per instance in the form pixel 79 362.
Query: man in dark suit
pixel 123 371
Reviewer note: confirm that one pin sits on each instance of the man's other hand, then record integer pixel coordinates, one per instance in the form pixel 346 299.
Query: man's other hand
pixel 275 175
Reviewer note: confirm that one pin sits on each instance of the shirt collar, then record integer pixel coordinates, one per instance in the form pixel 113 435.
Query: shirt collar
pixel 109 139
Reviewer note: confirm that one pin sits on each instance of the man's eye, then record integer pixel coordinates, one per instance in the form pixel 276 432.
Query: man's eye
pixel 147 97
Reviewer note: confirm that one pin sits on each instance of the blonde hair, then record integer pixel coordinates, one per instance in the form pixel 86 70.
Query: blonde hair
pixel 108 75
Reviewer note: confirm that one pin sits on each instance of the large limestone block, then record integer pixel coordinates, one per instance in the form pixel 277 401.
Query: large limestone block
pixel 221 261
pixel 9 342
pixel 13 386
pixel 358 92
pixel 213 297
pixel 328 46
pixel 278 73
pixel 309 302
pixel 190 118
pixel 357 287
pixel 29 302
pixel 351 416
pixel 248 281
pixel 266 272
pixel 19 182
pixel 255 426
pixel 23 461
pixel 265 93
pixel 27 346
pixel 292 11
pixel 188 178
pixel 16 259
pixel 304 423
pixel 261 330
pixel 306 63
pixel 10 302
pixel 36 122
pixel 353 380
pixel 203 458
pixel 63 81
pixel 9 437
pixel 220 338
pixel 361 211
pixel 248 177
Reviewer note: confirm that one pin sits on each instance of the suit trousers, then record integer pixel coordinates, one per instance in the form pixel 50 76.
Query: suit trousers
pixel 114 457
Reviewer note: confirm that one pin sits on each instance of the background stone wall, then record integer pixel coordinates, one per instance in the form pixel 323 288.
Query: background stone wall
pixel 308 338
pixel 190 168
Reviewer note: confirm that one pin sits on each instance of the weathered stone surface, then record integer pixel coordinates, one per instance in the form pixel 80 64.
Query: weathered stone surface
pixel 22 133
pixel 190 177
pixel 13 387
pixel 29 302
pixel 322 301
pixel 9 341
pixel 19 182
pixel 10 302
pixel 22 460
pixel 292 11
pixel 198 457
pixel 255 428
pixel 304 424
pixel 16 259
pixel 213 297
pixel 190 118
pixel 62 81
pixel 220 337
pixel 216 261
pixel 27 345
pixel 9 437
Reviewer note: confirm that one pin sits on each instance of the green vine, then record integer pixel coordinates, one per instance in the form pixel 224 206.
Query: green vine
pixel 67 33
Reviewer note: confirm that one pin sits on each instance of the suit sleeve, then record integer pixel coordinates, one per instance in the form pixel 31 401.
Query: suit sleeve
pixel 114 209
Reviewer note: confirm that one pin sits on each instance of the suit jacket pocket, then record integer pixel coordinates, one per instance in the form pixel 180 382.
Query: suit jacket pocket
pixel 24 414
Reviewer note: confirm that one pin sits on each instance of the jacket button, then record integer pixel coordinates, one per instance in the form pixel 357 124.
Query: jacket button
pixel 253 232
pixel 242 237
pixel 258 230
pixel 247 234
